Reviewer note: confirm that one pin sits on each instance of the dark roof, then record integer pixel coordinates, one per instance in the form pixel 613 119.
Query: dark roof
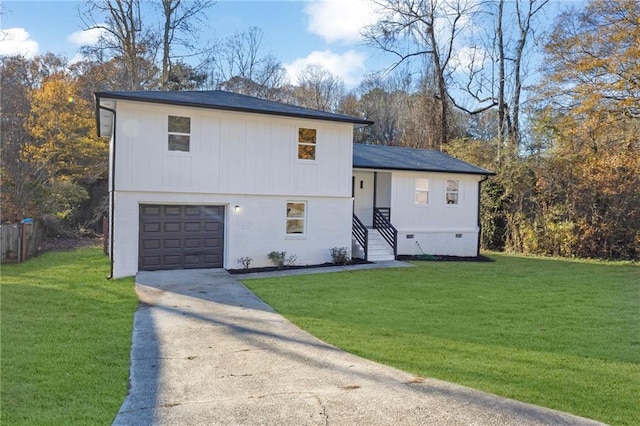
pixel 218 99
pixel 400 158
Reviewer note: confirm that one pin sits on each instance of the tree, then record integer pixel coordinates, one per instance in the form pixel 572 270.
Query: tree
pixel 318 89
pixel 427 30
pixel 589 109
pixel 180 21
pixel 240 66
pixel 125 38
pixel 64 153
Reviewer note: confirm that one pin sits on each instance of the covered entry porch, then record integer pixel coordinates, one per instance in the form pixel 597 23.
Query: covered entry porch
pixel 374 236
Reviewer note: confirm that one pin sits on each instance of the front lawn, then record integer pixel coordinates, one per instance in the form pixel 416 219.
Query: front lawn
pixel 66 338
pixel 558 333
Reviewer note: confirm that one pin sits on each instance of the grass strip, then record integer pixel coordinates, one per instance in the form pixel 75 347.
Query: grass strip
pixel 66 339
pixel 563 334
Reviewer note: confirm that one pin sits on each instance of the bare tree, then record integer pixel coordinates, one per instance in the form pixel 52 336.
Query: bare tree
pixel 180 28
pixel 318 89
pixel 426 30
pixel 124 37
pixel 241 66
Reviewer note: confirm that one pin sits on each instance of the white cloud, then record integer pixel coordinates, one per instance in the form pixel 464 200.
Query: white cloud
pixel 86 37
pixel 469 59
pixel 17 41
pixel 349 66
pixel 339 20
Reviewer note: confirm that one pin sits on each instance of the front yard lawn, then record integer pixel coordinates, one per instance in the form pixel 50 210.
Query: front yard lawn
pixel 563 334
pixel 66 338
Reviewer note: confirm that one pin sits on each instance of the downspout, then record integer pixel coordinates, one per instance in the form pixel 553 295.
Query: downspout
pixel 112 198
pixel 479 215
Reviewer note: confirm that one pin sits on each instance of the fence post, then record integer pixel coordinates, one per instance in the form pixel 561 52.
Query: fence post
pixel 22 257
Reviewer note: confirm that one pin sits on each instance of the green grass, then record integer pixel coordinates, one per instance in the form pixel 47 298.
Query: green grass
pixel 66 339
pixel 557 333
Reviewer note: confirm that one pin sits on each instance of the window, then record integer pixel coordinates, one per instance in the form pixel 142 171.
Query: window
pixel 422 191
pixel 306 144
pixel 179 133
pixel 296 217
pixel 453 191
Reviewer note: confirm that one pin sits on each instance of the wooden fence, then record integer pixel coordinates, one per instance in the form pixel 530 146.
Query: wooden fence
pixel 19 241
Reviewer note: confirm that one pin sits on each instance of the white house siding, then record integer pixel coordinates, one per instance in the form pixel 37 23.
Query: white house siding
pixel 243 159
pixel 438 228
pixel 256 229
pixel 230 152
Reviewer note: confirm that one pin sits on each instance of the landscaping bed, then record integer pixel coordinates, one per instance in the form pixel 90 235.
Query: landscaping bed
pixel 293 267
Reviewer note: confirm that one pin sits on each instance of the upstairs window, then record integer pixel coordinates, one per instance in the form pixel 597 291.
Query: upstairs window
pixel 179 130
pixel 422 192
pixel 453 191
pixel 306 144
pixel 296 214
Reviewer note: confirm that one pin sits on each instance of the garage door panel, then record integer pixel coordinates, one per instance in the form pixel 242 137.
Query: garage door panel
pixel 172 227
pixel 151 244
pixel 173 210
pixel 152 227
pixel 151 210
pixel 177 237
pixel 172 243
pixel 193 227
pixel 190 243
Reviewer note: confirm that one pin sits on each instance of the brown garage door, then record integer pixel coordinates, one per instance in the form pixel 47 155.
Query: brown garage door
pixel 180 237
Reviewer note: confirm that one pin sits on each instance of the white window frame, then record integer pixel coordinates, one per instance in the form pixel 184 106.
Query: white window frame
pixel 173 133
pixel 313 144
pixel 421 187
pixel 302 218
pixel 450 193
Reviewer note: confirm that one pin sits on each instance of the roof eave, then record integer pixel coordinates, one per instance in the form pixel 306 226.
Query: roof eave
pixel 409 169
pixel 356 122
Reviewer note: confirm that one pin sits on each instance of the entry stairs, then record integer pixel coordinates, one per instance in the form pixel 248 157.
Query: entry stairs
pixel 379 249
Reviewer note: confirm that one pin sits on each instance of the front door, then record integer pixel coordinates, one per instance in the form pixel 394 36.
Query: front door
pixel 363 189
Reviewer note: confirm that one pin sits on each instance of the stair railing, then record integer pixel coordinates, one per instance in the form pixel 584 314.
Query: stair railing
pixel 361 234
pixel 382 223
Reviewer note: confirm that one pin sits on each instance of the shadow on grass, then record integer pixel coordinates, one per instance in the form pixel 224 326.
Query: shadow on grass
pixel 222 306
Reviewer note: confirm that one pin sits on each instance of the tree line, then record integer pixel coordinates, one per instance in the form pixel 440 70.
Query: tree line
pixel 561 133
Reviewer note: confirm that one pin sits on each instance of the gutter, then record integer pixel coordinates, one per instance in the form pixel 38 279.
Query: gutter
pixel 112 196
pixel 479 217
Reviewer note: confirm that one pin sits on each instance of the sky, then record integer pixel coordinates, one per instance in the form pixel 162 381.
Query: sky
pixel 298 33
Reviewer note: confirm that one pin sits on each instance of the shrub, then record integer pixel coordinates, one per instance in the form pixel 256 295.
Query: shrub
pixel 280 259
pixel 245 261
pixel 340 255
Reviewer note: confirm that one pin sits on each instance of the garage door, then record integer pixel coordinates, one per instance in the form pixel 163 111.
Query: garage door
pixel 180 237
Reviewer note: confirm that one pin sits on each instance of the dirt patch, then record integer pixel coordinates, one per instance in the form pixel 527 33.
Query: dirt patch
pixel 56 244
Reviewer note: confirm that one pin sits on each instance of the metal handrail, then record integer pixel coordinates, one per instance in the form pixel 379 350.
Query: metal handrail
pixel 361 234
pixel 386 229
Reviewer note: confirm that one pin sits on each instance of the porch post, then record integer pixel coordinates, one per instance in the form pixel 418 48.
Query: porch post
pixel 375 194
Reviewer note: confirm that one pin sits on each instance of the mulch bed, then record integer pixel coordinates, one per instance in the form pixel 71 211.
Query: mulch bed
pixel 288 268
pixel 438 258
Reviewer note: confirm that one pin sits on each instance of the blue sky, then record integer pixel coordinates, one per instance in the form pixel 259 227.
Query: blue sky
pixel 297 32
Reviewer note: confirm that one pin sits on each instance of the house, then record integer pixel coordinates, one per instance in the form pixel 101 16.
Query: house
pixel 423 201
pixel 203 179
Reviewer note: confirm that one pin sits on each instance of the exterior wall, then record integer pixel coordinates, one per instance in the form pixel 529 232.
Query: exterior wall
pixel 243 159
pixel 438 228
pixel 230 153
pixel 255 230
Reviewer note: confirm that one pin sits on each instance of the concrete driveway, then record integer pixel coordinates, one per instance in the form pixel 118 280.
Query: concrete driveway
pixel 206 351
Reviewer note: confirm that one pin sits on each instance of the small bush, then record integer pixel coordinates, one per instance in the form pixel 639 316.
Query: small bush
pixel 280 259
pixel 245 261
pixel 340 255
